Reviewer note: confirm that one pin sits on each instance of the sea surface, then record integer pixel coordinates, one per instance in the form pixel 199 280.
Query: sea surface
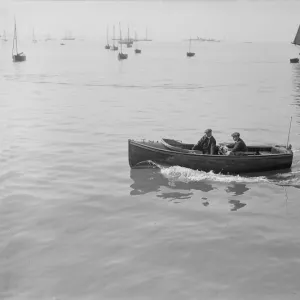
pixel 77 223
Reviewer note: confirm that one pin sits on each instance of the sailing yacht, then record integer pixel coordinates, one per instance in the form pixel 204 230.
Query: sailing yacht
pixel 137 50
pixel 121 55
pixel 16 56
pixel 189 53
pixel 107 46
pixel 4 39
pixel 296 42
pixel 114 47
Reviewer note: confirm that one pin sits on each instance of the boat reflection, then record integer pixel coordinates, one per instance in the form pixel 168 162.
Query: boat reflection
pixel 151 180
pixel 237 189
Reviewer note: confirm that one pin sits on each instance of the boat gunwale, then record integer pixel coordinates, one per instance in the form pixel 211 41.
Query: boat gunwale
pixel 255 157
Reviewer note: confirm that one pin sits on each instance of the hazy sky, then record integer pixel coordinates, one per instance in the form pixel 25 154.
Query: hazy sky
pixel 240 20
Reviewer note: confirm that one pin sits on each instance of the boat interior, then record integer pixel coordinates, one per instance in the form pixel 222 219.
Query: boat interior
pixel 252 150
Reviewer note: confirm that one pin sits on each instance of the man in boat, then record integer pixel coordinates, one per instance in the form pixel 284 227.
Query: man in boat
pixel 207 144
pixel 238 145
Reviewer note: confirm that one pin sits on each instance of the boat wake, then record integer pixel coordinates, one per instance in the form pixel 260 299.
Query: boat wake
pixel 186 175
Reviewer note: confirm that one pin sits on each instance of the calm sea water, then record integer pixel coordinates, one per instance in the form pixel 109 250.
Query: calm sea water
pixel 77 223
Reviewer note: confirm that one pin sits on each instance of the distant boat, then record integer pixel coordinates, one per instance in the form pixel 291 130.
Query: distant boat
pixel 69 37
pixel 121 55
pixel 146 37
pixel 190 54
pixel 107 46
pixel 296 42
pixel 16 56
pixel 205 40
pixel 114 47
pixel 4 39
pixel 62 43
pixel 34 40
pixel 48 38
pixel 137 50
pixel 129 41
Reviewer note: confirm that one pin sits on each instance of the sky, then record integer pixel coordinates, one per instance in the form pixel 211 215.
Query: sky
pixel 241 20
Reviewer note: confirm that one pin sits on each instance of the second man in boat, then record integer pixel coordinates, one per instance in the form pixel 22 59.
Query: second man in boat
pixel 238 145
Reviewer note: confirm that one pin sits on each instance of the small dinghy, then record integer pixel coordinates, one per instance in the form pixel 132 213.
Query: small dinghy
pixel 171 152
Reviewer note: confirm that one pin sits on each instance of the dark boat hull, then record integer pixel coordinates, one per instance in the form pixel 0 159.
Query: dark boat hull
pixel 294 60
pixel 138 51
pixel 122 56
pixel 190 54
pixel 140 152
pixel 19 57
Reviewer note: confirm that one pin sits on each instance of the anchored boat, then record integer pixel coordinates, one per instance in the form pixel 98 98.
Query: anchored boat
pixel 296 42
pixel 121 55
pixel 189 53
pixel 170 152
pixel 16 56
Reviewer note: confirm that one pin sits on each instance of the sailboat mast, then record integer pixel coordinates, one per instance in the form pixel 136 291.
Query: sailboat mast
pixel 190 45
pixel 136 40
pixel 16 37
pixel 107 34
pixel 114 35
pixel 120 37
pixel 128 35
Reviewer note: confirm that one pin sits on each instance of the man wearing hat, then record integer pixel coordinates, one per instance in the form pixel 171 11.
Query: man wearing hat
pixel 238 145
pixel 207 144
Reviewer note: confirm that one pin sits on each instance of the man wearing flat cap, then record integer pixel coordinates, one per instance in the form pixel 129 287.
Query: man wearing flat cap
pixel 238 145
pixel 207 144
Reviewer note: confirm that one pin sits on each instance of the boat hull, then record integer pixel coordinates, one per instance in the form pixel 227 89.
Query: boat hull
pixel 140 152
pixel 19 58
pixel 122 56
pixel 190 54
pixel 294 60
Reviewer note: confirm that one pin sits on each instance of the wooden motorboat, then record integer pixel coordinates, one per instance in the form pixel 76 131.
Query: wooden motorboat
pixel 170 152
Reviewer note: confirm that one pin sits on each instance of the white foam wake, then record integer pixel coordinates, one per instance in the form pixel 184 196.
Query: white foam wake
pixel 176 173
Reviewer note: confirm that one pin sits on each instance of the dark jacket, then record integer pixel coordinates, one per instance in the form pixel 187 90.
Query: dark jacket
pixel 206 144
pixel 238 146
